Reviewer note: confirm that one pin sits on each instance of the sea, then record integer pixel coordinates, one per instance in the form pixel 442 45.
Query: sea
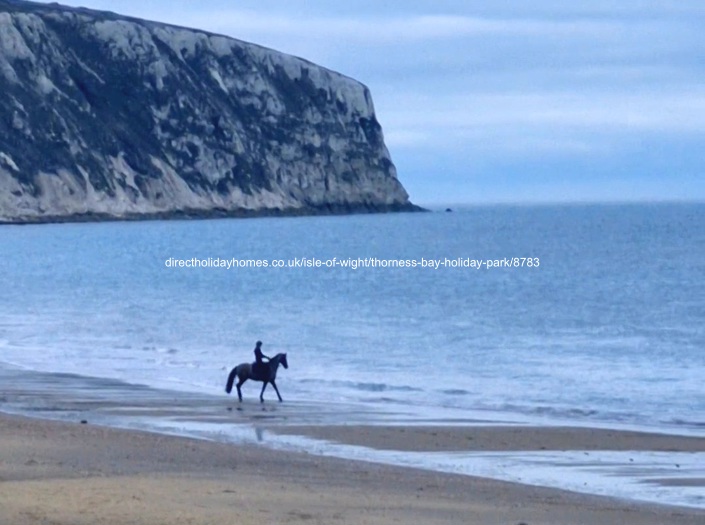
pixel 583 315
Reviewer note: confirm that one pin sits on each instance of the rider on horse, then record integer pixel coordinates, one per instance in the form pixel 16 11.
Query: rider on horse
pixel 259 368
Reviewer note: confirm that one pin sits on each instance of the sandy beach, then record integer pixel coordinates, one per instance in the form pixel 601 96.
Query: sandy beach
pixel 72 473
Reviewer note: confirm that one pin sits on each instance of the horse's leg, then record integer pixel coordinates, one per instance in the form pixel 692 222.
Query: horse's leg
pixel 239 392
pixel 261 394
pixel 277 391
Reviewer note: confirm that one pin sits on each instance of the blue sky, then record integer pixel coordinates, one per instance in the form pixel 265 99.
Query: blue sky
pixel 502 101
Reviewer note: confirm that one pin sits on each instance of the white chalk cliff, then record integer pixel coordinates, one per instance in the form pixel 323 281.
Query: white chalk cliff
pixel 104 116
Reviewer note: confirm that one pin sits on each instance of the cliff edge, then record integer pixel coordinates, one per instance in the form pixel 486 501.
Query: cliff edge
pixel 105 116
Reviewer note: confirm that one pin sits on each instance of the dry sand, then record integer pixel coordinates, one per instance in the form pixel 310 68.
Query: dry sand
pixel 64 473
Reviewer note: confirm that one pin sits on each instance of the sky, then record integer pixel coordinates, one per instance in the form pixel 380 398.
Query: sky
pixel 503 101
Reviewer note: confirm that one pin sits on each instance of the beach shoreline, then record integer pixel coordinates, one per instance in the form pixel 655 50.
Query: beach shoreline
pixel 494 438
pixel 631 464
pixel 66 472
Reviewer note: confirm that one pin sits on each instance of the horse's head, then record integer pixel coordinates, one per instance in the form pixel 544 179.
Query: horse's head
pixel 283 361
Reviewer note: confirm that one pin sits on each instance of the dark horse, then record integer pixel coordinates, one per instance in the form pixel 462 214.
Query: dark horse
pixel 243 372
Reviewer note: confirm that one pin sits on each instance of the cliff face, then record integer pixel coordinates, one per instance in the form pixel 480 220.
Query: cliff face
pixel 108 116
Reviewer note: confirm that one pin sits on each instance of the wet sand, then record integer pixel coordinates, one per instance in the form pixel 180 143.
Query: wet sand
pixel 494 438
pixel 71 473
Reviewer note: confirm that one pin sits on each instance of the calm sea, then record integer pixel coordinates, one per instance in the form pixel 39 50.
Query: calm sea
pixel 589 315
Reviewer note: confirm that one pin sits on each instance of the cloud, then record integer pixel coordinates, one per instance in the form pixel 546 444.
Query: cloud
pixel 541 121
pixel 371 30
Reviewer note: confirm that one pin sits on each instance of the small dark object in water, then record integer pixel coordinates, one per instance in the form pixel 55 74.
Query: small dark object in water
pixel 84 422
pixel 448 210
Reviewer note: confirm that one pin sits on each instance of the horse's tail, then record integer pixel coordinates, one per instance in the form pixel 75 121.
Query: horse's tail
pixel 231 380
